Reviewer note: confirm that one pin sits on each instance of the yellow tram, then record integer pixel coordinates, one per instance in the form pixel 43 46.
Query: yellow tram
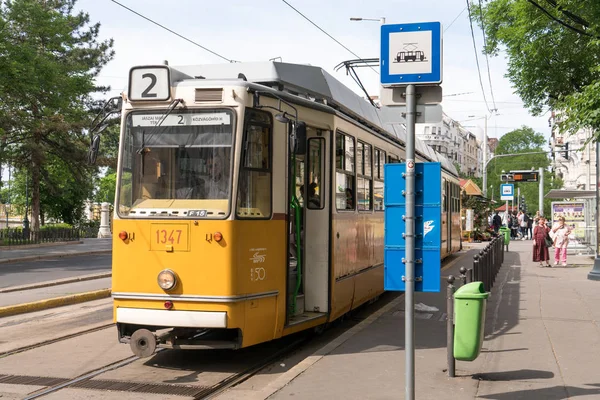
pixel 249 203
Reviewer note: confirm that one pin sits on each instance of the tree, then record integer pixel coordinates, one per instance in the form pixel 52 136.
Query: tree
pixel 553 52
pixel 48 60
pixel 523 140
pixel 106 188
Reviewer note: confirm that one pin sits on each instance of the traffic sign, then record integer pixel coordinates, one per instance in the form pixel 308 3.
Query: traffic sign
pixel 396 96
pixel 411 54
pixel 525 176
pixel 426 114
pixel 507 191
pixel 428 227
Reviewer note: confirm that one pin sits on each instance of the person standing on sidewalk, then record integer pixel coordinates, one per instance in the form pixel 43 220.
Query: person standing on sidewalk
pixel 540 250
pixel 529 227
pixel 561 234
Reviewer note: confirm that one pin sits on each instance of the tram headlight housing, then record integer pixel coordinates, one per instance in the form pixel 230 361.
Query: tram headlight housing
pixel 167 279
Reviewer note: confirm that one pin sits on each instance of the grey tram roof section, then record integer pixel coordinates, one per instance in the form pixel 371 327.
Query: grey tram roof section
pixel 315 84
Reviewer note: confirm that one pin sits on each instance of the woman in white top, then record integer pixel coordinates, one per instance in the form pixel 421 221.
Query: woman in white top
pixel 561 234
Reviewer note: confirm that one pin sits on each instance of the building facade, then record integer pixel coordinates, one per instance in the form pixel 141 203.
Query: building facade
pixel 574 159
pixel 458 144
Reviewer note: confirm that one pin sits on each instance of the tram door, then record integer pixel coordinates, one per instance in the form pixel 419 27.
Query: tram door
pixel 308 280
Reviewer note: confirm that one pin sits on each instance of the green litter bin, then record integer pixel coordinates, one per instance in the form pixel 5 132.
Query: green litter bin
pixel 506 232
pixel 469 320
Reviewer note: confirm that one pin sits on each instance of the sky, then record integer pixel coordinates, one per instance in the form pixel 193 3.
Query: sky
pixel 260 30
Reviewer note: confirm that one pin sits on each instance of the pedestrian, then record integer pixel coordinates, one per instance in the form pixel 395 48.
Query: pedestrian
pixel 561 233
pixel 530 226
pixel 497 222
pixel 523 224
pixel 540 245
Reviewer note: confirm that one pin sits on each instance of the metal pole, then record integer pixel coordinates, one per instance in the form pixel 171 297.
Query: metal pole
pixel 541 191
pixel 409 303
pixel 485 147
pixel 450 328
pixel 518 198
pixel 594 274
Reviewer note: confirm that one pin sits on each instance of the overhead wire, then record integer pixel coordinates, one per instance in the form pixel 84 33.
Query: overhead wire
pixel 454 20
pixel 331 37
pixel 173 32
pixel 552 17
pixel 487 61
pixel 477 58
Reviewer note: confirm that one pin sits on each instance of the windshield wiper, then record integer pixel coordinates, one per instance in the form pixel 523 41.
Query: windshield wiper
pixel 153 132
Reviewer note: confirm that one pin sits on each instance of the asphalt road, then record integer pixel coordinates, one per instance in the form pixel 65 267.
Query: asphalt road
pixel 29 272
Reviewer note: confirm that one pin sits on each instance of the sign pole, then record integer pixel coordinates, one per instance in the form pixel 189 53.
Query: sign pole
pixel 409 331
pixel 541 192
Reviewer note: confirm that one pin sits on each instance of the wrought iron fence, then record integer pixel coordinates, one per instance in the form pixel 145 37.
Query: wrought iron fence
pixel 19 236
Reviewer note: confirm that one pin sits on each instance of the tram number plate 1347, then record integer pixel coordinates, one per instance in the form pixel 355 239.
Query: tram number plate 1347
pixel 163 236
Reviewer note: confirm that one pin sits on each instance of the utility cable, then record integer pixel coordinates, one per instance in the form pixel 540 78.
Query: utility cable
pixel 487 61
pixel 552 17
pixel 477 59
pixel 454 20
pixel 173 32
pixel 331 37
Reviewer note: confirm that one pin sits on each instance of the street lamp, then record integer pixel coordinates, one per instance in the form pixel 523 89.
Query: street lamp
pixel 382 19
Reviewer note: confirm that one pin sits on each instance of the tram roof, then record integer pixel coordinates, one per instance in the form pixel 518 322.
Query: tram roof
pixel 318 85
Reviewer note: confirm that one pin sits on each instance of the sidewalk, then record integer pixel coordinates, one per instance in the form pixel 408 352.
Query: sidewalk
pixel 542 342
pixel 53 250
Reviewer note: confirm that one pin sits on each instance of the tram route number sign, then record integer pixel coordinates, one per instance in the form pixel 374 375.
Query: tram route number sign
pixel 428 227
pixel 150 83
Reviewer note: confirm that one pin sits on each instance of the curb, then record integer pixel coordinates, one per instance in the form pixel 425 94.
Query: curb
pixel 55 302
pixel 48 256
pixel 56 282
pixel 38 245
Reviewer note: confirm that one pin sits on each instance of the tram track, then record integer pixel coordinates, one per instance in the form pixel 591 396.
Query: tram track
pixel 197 392
pixel 55 340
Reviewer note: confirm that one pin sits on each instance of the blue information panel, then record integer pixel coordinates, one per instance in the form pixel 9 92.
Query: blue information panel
pixel 428 229
pixel 411 54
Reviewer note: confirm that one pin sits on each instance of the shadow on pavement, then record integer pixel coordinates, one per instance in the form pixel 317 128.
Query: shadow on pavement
pixel 547 393
pixel 518 375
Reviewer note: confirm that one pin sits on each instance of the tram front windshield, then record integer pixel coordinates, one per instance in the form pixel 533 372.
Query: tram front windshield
pixel 183 164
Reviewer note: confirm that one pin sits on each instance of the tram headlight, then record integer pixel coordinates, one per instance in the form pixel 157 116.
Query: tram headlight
pixel 167 279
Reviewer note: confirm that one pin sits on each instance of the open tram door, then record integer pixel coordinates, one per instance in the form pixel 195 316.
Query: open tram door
pixel 309 223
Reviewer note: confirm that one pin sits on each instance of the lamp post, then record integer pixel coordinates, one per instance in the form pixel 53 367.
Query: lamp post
pixel 485 148
pixel 594 274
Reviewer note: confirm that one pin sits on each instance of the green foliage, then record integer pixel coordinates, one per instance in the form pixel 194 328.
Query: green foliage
pixel 519 141
pixel 549 65
pixel 107 187
pixel 49 58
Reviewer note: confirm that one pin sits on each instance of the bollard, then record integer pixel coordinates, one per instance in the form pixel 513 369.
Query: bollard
pixel 463 275
pixel 476 271
pixel 470 275
pixel 483 267
pixel 450 328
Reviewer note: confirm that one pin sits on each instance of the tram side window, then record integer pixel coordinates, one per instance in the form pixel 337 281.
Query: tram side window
pixel 364 176
pixel 345 169
pixel 254 192
pixel 444 195
pixel 379 161
pixel 315 194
